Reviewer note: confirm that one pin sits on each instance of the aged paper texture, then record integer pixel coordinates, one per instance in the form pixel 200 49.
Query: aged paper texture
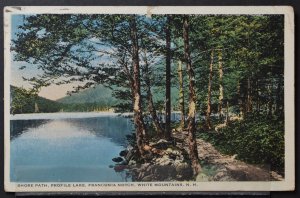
pixel 149 98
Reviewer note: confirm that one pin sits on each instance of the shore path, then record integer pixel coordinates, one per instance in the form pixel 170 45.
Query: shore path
pixel 219 167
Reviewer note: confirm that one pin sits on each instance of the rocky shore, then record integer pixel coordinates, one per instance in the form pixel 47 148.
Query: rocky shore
pixel 169 161
pixel 164 162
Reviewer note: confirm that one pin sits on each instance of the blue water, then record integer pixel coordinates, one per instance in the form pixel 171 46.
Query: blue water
pixel 67 150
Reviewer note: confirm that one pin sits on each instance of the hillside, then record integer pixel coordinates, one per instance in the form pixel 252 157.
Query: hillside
pixel 102 96
pixel 99 94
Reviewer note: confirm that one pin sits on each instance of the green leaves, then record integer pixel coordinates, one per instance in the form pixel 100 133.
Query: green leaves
pixel 257 139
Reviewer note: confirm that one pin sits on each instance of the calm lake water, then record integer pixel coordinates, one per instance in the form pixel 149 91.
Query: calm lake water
pixel 62 147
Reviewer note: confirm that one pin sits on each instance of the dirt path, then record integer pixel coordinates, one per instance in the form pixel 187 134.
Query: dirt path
pixel 220 167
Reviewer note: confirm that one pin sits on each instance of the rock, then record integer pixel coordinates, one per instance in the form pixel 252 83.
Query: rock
pixel 157 151
pixel 162 141
pixel 183 170
pixel 161 144
pixel 132 163
pixel 123 153
pixel 164 160
pixel 169 150
pixel 276 176
pixel 119 168
pixel 219 175
pixel 201 177
pixel 164 172
pixel 130 154
pixel 117 159
pixel 124 162
pixel 129 148
pixel 144 166
pixel 147 148
pixel 148 178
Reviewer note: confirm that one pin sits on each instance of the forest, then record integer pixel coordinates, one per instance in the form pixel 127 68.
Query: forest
pixel 227 72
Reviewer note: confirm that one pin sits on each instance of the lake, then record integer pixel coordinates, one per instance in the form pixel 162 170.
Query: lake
pixel 67 147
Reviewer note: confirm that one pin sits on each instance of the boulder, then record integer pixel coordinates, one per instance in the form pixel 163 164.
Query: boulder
pixel 123 153
pixel 164 160
pixel 119 168
pixel 183 170
pixel 162 173
pixel 132 163
pixel 117 159
pixel 161 144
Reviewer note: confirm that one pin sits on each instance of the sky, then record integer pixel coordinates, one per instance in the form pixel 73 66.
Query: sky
pixel 52 92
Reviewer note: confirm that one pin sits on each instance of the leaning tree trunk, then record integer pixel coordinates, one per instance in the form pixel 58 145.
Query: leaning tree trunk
pixel 151 107
pixel 181 96
pixel 168 79
pixel 193 152
pixel 221 94
pixel 138 115
pixel 208 111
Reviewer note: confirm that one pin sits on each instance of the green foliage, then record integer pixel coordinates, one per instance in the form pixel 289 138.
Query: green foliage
pixel 257 139
pixel 27 101
pixel 83 107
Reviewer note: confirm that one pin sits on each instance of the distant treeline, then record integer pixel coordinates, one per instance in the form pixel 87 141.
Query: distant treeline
pixel 26 101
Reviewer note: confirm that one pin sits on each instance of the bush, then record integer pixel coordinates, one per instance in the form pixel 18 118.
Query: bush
pixel 256 139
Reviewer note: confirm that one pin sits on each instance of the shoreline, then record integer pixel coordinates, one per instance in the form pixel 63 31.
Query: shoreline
pixel 66 115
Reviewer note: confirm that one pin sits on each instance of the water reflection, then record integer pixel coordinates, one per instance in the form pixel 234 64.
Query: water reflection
pixel 17 127
pixel 115 128
pixel 67 150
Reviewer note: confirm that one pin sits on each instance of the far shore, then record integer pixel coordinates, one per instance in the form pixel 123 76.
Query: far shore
pixel 62 115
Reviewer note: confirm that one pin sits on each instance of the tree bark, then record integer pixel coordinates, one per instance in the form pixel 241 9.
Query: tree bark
pixel 151 107
pixel 270 102
pixel 249 97
pixel 193 152
pixel 221 94
pixel 168 79
pixel 208 111
pixel 227 113
pixel 138 115
pixel 257 96
pixel 181 96
pixel 240 100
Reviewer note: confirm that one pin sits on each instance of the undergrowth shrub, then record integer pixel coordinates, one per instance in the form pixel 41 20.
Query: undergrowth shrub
pixel 256 139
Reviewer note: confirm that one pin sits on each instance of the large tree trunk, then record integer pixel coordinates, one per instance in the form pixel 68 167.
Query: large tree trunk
pixel 151 107
pixel 240 100
pixel 181 96
pixel 193 152
pixel 138 115
pixel 208 111
pixel 168 79
pixel 227 113
pixel 257 97
pixel 221 94
pixel 270 102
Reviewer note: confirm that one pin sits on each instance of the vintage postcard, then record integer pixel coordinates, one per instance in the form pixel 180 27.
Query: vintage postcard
pixel 149 99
